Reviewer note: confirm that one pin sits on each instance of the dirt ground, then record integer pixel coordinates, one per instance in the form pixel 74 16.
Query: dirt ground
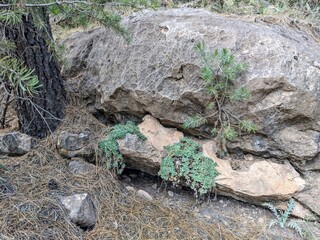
pixel 239 216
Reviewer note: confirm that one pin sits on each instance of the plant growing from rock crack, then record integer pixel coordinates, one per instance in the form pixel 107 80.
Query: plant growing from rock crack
pixel 219 72
pixel 110 146
pixel 185 163
pixel 282 217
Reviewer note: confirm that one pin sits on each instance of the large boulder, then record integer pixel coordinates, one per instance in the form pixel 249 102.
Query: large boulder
pixel 158 73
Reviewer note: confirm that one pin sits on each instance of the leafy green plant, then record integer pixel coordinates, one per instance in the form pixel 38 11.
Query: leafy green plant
pixel 185 164
pixel 110 146
pixel 219 71
pixel 282 217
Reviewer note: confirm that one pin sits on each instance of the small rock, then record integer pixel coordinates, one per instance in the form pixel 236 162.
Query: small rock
pixel 130 189
pixel 132 175
pixel 115 225
pixel 53 184
pixel 221 201
pixel 81 209
pixel 170 193
pixel 79 167
pixel 75 145
pixel 15 144
pixel 155 186
pixel 144 195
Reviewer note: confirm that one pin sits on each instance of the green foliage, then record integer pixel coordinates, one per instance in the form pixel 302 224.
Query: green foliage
pixel 219 72
pixel 248 126
pixel 110 146
pixel 10 17
pixel 282 217
pixel 85 12
pixel 82 13
pixel 185 163
pixel 194 121
pixel 19 77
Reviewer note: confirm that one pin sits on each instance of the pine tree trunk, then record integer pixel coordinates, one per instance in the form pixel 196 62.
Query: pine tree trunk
pixel 42 113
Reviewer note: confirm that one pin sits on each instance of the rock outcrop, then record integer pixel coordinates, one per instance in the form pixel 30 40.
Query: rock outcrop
pixel 256 180
pixel 157 73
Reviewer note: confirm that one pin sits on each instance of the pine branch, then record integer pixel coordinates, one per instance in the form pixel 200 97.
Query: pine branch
pixel 193 122
pixel 45 4
pixel 18 76
pixel 61 3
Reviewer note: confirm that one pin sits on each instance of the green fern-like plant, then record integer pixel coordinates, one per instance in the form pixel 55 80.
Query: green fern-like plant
pixel 185 163
pixel 110 146
pixel 219 72
pixel 282 217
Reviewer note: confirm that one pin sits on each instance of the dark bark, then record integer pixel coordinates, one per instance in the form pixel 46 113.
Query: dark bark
pixel 42 113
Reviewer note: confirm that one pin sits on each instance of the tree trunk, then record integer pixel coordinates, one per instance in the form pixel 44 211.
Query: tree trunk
pixel 42 113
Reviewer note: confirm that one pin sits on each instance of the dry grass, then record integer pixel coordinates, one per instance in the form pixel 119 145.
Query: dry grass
pixel 33 211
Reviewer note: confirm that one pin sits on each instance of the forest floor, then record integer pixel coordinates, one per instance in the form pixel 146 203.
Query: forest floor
pixel 31 210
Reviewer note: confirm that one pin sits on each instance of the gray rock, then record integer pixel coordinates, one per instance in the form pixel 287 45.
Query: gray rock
pixel 79 167
pixel 130 189
pixel 76 145
pixel 15 144
pixel 170 194
pixel 298 144
pixel 140 154
pixel 310 196
pixel 144 195
pixel 81 209
pixel 158 73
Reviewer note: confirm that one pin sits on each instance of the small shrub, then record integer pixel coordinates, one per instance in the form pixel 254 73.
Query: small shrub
pixel 185 163
pixel 110 146
pixel 219 71
pixel 282 217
